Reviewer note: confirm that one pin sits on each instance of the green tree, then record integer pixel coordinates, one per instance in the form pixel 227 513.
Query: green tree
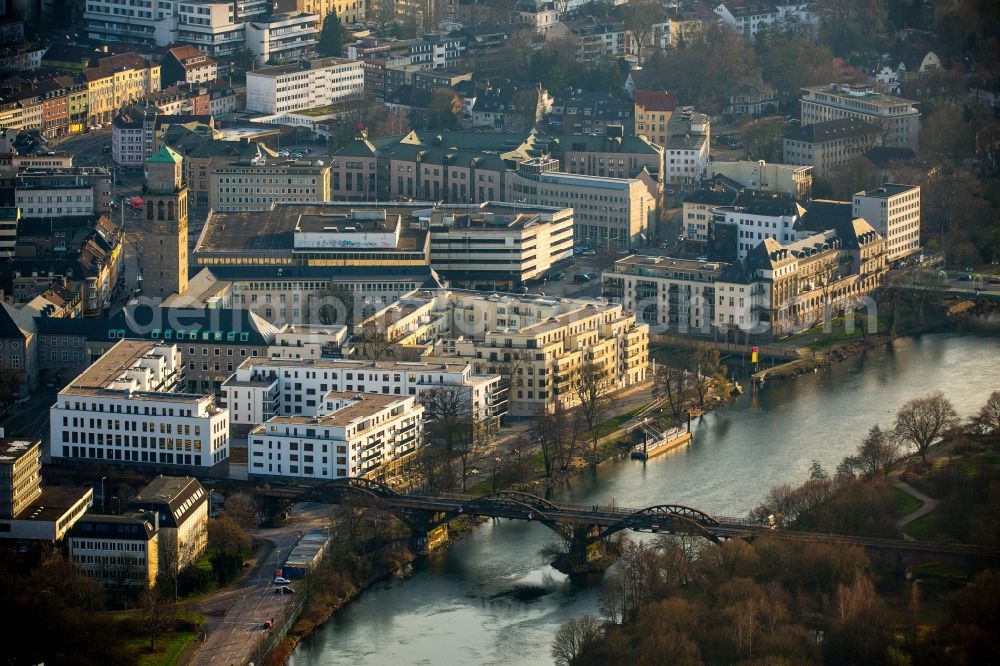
pixel 331 38
pixel 242 60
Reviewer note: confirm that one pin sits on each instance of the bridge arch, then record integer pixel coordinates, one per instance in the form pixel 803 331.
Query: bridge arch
pixel 669 518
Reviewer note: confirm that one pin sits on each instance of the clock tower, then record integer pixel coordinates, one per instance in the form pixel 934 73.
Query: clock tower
pixel 165 226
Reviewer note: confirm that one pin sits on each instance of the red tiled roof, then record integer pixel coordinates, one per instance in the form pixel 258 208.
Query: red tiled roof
pixel 656 100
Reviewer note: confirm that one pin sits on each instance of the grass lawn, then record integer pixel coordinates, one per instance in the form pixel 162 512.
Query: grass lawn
pixel 168 648
pixel 926 528
pixel 904 501
pixel 941 570
pixel 605 428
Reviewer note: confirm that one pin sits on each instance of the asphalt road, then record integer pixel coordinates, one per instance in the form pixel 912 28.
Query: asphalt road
pixel 87 148
pixel 235 617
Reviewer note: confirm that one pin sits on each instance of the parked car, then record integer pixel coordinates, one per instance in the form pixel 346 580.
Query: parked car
pixel 284 589
pixel 589 253
pixel 280 581
pixel 561 275
pixel 582 277
pixel 965 277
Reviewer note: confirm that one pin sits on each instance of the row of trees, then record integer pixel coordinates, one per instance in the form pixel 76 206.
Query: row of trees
pixel 681 376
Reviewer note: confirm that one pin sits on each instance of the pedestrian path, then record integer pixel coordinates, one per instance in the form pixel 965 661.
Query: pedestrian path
pixel 929 505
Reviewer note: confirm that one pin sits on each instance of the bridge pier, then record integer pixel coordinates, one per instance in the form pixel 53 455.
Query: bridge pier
pixel 587 552
pixel 428 531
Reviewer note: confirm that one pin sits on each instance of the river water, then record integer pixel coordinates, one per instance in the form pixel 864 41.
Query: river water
pixel 492 599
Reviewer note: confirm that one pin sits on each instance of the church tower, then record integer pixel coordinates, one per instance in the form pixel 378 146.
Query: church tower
pixel 165 225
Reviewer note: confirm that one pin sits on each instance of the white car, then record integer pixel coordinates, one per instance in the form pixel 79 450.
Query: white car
pixel 280 581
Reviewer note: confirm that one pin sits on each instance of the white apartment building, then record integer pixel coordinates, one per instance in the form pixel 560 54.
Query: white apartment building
pixel 899 117
pixel 150 22
pixel 668 294
pixel 754 219
pixel 894 212
pixel 297 342
pixel 215 27
pixel 747 18
pixel 63 192
pixel 696 212
pixel 608 212
pixel 283 37
pixel 356 435
pixel 498 244
pixel 123 408
pixel 685 158
pixel 261 389
pixel 181 507
pixel 118 551
pixel 313 83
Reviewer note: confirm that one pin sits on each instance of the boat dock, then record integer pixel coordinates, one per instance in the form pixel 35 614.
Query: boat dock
pixel 654 443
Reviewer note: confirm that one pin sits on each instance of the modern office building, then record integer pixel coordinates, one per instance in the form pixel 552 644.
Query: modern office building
pixel 609 213
pixel 671 295
pixel 63 192
pixel 304 85
pixel 893 210
pixel 124 409
pixel 752 219
pixel 282 38
pixel 257 184
pixel 354 435
pixel 829 145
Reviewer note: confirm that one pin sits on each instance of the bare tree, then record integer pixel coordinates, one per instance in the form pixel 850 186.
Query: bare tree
pixel 374 341
pixel 551 432
pixel 987 420
pixel 158 615
pixel 592 388
pixel 877 453
pixel 449 426
pixel 922 420
pixel 241 508
pixel 668 382
pixel 573 637
pixel 709 371
pixel 509 368
pixel 640 15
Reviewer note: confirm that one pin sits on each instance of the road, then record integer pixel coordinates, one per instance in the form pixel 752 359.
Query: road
pixel 235 617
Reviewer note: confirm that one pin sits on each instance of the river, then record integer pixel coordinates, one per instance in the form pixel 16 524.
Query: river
pixel 492 599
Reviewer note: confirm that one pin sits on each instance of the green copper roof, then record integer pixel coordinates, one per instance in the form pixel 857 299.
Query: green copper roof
pixel 165 156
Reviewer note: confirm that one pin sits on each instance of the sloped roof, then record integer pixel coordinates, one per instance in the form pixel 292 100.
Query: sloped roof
pixel 165 155
pixel 656 100
pixel 831 130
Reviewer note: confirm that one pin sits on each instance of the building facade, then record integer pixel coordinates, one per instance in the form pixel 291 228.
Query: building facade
pixel 255 185
pixel 893 210
pixel 313 83
pixel 181 508
pixel 827 146
pixel 283 37
pixel 118 551
pixel 898 117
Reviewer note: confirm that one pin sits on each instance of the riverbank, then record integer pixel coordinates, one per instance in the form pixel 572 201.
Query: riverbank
pixel 823 350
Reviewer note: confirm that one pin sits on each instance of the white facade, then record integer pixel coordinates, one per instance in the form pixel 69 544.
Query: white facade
pixel 297 342
pixel 757 221
pixel 123 408
pixel 359 434
pixel 898 116
pixel 293 88
pixel 686 159
pixel 263 388
pixel 747 18
pixel 117 550
pixel 151 22
pixel 128 143
pixel 894 212
pixel 283 37
pixel 214 26
pixel 55 202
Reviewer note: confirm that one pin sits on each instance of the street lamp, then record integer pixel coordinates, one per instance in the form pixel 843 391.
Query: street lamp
pixel 104 501
pixel 496 465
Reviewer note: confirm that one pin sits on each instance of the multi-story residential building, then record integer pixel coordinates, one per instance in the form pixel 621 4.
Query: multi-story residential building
pixel 310 84
pixel 124 409
pixel 829 145
pixel 307 341
pixel 181 507
pixel 893 210
pixel 9 219
pixel 685 158
pixel 256 184
pixel 119 551
pixel 215 27
pixel 780 289
pixel 498 244
pixel 747 17
pixel 753 219
pixel 28 511
pixel 594 38
pixel 899 117
pixel 608 212
pixel 668 294
pixel 140 22
pixel 348 11
pixel 788 180
pixel 354 435
pixel 75 191
pixel 135 133
pixel 653 110
pixel 116 81
pixel 750 100
pixel 585 112
pixel 283 37
pixel 186 64
pixel 264 388
pixel 538 345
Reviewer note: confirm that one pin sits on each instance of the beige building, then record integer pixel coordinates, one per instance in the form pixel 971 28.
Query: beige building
pixel 538 345
pixel 20 475
pixel 829 145
pixel 348 11
pixel 118 551
pixel 653 110
pixel 181 507
pixel 608 212
pixel 898 117
pixel 256 184
pixel 165 226
pixel 116 81
pixel 765 177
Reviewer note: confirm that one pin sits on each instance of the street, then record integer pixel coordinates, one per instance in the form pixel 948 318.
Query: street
pixel 235 617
